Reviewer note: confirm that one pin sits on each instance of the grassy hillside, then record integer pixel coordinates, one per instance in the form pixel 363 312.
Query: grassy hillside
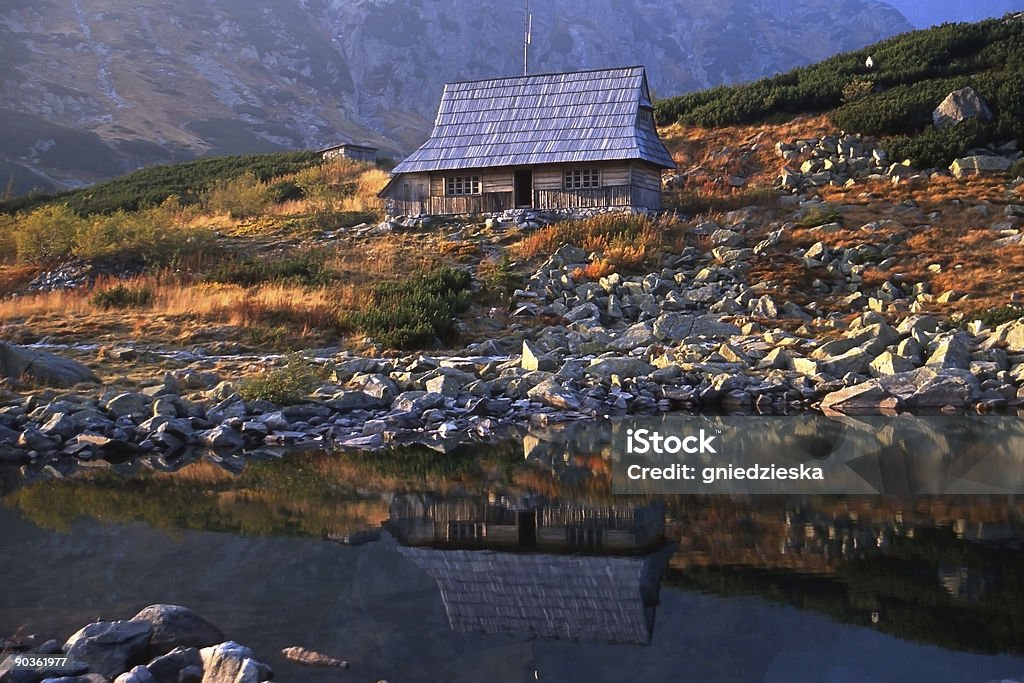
pixel 893 100
pixel 151 186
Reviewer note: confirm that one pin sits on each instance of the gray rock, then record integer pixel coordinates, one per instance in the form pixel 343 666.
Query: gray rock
pixel 110 647
pixel 35 440
pixel 933 388
pixel 676 327
pixel 138 674
pixel 223 437
pixel 346 401
pixel 230 662
pixel 959 106
pixel 952 352
pixel 60 425
pixel 604 368
pixel 584 311
pixel 551 393
pixel 978 165
pixel 534 359
pixel 866 397
pixel 1010 334
pixel 634 337
pixel 888 363
pixel 417 401
pixel 42 367
pixel 129 404
pixel 174 625
pixel 166 668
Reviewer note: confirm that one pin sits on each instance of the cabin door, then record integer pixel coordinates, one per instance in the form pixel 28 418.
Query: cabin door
pixel 524 187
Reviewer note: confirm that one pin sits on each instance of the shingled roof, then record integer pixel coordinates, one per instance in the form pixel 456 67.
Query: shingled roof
pixel 581 116
pixel 579 597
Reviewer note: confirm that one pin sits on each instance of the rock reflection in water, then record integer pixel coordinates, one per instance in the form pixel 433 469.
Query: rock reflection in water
pixel 536 568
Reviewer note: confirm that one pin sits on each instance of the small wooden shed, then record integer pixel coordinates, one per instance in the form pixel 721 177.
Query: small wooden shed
pixel 584 139
pixel 350 150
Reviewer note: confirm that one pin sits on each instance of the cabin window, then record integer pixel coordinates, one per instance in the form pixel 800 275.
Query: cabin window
pixel 645 118
pixel 462 185
pixel 582 178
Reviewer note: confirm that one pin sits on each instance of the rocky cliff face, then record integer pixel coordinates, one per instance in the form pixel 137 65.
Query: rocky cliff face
pixel 96 87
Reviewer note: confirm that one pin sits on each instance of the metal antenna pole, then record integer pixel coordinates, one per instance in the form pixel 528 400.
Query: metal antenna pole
pixel 528 29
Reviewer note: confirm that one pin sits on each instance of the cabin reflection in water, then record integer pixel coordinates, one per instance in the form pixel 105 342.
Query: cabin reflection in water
pixel 420 520
pixel 539 569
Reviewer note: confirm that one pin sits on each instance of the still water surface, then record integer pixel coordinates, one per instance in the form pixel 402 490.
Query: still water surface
pixel 487 556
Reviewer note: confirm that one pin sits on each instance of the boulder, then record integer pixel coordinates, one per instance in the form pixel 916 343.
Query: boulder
pixel 675 327
pixel 110 647
pixel 534 359
pixel 138 674
pixel 976 165
pixel 42 367
pixel 551 393
pixel 604 368
pixel 222 436
pixel 230 662
pixel 933 387
pixel 417 401
pixel 959 106
pixel 129 404
pixel 174 626
pixel 867 397
pixel 167 668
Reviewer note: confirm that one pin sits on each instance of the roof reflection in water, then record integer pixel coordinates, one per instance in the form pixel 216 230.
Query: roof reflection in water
pixel 536 568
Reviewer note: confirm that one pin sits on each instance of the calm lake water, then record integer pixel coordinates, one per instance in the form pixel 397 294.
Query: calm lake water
pixel 495 567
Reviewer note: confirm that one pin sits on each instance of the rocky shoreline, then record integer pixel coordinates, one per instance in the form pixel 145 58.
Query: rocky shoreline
pixel 160 644
pixel 696 335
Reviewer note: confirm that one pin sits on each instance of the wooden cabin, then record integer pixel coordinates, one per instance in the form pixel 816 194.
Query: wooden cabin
pixel 350 150
pixel 584 139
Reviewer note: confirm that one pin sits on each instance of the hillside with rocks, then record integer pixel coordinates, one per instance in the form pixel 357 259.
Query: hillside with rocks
pixel 92 89
pixel 797 267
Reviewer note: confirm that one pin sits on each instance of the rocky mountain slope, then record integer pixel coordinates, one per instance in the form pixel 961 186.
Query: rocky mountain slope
pixel 92 88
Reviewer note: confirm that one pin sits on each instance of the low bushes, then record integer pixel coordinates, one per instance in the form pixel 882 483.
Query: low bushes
pixel 304 269
pixel 122 296
pixel 412 313
pixel 286 385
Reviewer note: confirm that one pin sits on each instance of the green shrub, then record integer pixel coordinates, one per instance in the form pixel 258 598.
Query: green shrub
pixel 997 316
pixel 818 217
pixel 305 269
pixel 122 296
pixel 241 197
pixel 937 146
pixel 152 236
pixel 285 191
pixel 286 385
pixel 46 234
pixel 412 313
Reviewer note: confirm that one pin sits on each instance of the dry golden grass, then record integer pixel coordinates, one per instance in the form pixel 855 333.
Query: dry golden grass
pixel 624 241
